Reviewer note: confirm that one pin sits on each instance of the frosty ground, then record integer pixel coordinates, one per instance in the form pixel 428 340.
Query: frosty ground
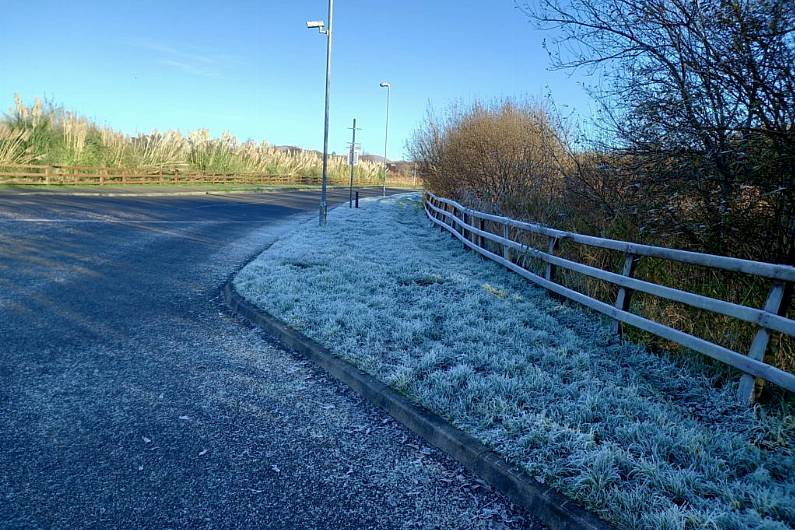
pixel 647 441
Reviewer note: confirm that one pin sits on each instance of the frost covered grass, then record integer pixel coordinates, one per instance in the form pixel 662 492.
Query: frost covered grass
pixel 647 441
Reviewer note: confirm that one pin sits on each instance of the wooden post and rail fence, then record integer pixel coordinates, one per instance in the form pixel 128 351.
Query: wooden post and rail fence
pixel 57 175
pixel 469 226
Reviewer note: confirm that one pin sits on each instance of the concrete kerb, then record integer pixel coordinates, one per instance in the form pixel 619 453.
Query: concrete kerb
pixel 549 506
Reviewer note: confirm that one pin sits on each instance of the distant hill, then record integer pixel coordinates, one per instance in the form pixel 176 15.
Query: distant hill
pixel 399 166
pixel 293 150
pixel 373 158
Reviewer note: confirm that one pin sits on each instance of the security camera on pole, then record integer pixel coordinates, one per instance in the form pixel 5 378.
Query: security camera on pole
pixel 320 25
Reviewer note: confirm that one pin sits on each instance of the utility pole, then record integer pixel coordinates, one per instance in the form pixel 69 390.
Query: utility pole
pixel 352 160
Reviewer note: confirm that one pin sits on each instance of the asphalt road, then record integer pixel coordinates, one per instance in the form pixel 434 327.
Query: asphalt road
pixel 129 398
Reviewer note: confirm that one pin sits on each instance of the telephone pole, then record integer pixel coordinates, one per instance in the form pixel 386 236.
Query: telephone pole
pixel 352 161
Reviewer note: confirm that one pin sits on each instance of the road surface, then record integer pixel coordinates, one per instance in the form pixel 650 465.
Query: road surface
pixel 129 398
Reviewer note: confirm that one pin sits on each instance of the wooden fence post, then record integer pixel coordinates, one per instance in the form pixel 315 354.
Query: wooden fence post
pixel 549 269
pixel 47 174
pixel 463 228
pixel 506 234
pixel 624 295
pixel 473 236
pixel 745 392
pixel 482 240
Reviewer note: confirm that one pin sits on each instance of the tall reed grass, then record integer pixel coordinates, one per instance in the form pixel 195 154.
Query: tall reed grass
pixel 45 133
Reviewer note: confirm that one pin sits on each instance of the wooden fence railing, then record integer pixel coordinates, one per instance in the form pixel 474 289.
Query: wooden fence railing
pixel 468 225
pixel 100 176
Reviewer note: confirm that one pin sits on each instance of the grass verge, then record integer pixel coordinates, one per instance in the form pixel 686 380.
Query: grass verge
pixel 647 441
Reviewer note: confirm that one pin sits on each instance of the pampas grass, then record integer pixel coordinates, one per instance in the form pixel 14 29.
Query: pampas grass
pixel 14 146
pixel 45 133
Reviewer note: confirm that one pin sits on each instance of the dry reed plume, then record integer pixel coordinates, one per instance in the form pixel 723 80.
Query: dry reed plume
pixel 45 133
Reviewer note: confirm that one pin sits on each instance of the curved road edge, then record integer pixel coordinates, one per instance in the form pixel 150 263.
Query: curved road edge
pixel 549 506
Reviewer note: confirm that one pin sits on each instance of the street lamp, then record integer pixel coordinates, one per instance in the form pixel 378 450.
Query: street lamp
pixel 321 27
pixel 388 87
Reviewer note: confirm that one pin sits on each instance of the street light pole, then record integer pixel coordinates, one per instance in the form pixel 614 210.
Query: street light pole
pixel 385 84
pixel 329 33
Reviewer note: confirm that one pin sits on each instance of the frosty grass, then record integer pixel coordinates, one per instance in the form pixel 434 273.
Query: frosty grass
pixel 644 440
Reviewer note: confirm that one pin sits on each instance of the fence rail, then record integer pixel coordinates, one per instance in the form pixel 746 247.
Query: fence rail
pixel 468 225
pixel 32 174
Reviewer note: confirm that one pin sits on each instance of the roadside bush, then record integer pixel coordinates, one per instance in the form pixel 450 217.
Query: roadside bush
pixel 504 156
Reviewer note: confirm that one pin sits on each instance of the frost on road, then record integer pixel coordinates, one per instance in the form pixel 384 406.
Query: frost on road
pixel 646 440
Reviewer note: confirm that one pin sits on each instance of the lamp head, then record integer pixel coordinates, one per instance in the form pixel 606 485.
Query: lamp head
pixel 319 24
pixel 384 84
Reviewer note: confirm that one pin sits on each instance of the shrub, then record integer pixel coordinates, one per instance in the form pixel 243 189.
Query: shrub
pixel 505 156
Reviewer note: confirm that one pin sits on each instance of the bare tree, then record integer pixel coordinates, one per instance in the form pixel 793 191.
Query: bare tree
pixel 701 104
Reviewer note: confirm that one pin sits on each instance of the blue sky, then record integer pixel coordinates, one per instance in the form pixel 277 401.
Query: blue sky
pixel 252 68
